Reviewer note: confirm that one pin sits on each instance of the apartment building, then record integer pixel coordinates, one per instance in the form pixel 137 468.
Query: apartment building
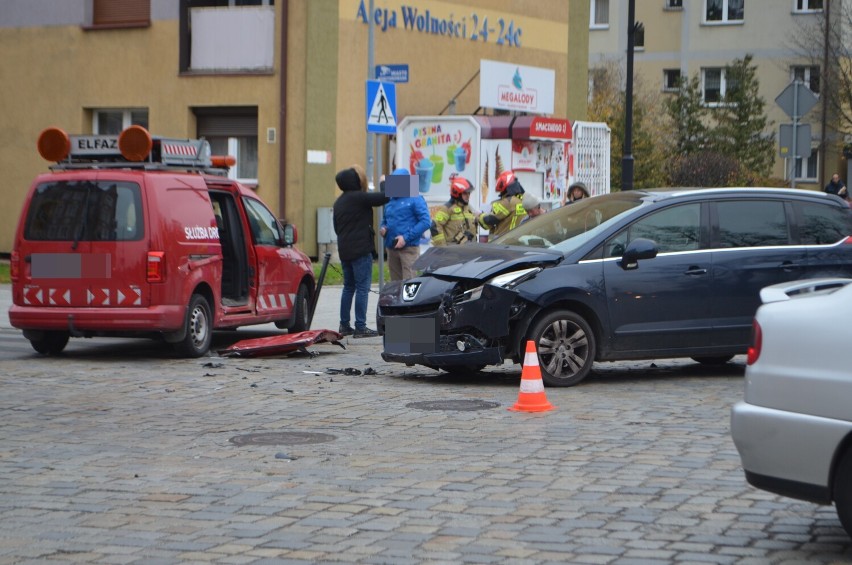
pixel 686 38
pixel 280 84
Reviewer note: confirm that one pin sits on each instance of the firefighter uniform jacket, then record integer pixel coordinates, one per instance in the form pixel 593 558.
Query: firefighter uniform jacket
pixel 509 211
pixel 453 222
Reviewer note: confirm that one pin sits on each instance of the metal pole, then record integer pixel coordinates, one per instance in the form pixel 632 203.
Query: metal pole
pixel 371 73
pixel 795 131
pixel 627 159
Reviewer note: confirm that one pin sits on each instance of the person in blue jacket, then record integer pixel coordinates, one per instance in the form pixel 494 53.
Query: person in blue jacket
pixel 405 220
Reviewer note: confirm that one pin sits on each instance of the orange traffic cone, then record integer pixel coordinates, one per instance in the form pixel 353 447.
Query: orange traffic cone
pixel 531 398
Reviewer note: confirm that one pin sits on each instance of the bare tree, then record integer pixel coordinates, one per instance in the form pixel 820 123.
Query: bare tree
pixel 824 41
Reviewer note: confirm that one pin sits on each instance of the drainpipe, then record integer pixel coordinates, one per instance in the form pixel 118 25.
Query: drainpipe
pixel 282 123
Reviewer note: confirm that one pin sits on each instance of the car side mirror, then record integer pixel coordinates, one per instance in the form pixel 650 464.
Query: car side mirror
pixel 291 235
pixel 637 249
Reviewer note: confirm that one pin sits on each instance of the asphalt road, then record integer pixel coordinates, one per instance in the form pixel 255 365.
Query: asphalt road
pixel 118 452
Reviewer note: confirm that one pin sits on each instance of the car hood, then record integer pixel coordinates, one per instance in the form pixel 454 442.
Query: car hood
pixel 481 261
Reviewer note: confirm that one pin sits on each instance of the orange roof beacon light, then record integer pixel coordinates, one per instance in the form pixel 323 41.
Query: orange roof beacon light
pixel 135 143
pixel 223 161
pixel 54 144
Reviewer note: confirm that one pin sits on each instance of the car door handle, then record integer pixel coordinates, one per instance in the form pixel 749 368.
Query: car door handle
pixel 790 266
pixel 694 271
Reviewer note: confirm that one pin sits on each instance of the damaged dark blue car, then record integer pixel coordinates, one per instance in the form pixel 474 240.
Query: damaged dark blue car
pixel 628 275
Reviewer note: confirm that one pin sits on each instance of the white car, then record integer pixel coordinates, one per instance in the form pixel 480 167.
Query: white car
pixel 793 429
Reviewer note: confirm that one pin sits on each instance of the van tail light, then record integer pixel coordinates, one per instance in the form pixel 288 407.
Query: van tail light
pixel 756 343
pixel 156 269
pixel 848 239
pixel 15 266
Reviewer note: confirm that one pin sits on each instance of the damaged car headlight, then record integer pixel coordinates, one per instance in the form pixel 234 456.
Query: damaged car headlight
pixel 514 278
pixel 506 280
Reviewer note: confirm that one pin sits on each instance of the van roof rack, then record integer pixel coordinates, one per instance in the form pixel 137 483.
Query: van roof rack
pixel 132 148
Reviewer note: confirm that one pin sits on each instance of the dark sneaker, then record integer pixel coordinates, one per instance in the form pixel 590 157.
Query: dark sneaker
pixel 345 330
pixel 365 332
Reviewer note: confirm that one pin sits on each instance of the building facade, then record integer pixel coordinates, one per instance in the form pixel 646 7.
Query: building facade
pixel 686 38
pixel 278 84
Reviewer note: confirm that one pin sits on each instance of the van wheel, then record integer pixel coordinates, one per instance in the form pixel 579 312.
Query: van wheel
pixel 301 310
pixel 566 347
pixel 843 491
pixel 713 360
pixel 50 343
pixel 199 328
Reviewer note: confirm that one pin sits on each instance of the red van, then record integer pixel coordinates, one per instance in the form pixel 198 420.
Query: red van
pixel 132 235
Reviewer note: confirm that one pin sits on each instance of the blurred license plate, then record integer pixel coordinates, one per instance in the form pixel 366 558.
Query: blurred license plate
pixel 411 335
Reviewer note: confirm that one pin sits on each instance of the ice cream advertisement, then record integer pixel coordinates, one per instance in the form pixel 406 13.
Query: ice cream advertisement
pixel 436 149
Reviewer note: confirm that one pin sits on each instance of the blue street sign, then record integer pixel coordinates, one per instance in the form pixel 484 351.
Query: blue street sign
pixel 381 107
pixel 392 73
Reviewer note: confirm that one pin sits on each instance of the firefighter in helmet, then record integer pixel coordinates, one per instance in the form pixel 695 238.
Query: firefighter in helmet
pixel 507 212
pixel 454 222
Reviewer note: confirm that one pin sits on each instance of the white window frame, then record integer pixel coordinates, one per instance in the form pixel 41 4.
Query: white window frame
pixel 806 75
pixel 126 117
pixel 806 6
pixel 593 15
pixel 722 86
pixel 666 87
pixel 724 20
pixel 802 164
pixel 234 149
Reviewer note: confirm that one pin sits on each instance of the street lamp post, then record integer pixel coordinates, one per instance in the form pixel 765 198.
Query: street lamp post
pixel 627 159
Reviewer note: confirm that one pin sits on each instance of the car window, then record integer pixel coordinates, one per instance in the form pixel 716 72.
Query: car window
pixel 85 211
pixel 676 228
pixel 823 225
pixel 752 223
pixel 264 226
pixel 568 227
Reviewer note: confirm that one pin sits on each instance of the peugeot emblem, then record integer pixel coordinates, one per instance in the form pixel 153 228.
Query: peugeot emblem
pixel 409 291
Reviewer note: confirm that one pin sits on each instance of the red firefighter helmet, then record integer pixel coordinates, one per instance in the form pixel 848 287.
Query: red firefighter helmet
pixel 504 180
pixel 459 186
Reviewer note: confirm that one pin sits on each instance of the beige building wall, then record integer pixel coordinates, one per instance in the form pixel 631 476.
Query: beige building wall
pixel 57 74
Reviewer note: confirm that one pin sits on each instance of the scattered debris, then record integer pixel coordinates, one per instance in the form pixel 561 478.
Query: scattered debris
pixel 248 370
pixel 281 455
pixel 347 371
pixel 213 365
pixel 370 371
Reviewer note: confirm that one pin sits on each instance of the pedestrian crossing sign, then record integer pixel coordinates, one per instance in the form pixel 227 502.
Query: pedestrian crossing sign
pixel 381 107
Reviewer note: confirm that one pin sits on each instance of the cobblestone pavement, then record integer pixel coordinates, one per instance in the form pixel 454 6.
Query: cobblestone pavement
pixel 119 453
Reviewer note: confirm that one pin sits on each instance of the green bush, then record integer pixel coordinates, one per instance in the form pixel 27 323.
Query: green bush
pixel 4 273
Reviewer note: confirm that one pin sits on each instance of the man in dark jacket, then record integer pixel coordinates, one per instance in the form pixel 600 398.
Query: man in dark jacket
pixel 836 187
pixel 353 223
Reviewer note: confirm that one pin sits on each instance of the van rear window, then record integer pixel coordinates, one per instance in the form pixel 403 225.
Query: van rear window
pixel 85 211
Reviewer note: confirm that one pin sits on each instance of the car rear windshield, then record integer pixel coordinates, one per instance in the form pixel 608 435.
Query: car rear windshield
pixel 570 226
pixel 85 211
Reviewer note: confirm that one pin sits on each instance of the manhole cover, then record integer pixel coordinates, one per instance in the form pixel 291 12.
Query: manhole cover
pixel 282 438
pixel 456 405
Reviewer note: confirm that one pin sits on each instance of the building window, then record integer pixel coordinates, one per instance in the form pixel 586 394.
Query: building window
pixel 639 37
pixel 805 169
pixel 227 36
pixel 113 121
pixel 806 6
pixel 232 131
pixel 671 80
pixel 808 75
pixel 121 13
pixel 599 17
pixel 715 85
pixel 674 4
pixel 724 11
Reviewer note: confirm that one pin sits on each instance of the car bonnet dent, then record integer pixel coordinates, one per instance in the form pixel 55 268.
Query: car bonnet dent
pixel 481 261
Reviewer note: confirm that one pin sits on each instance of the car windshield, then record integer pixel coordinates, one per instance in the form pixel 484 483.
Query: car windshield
pixel 569 227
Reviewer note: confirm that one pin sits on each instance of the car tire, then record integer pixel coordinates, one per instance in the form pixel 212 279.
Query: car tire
pixel 50 343
pixel 843 491
pixel 301 310
pixel 566 347
pixel 199 328
pixel 713 360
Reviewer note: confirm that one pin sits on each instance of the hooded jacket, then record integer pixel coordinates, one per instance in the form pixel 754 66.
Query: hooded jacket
pixel 353 216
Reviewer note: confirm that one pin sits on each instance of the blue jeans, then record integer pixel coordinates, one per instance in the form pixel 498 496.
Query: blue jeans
pixel 357 277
